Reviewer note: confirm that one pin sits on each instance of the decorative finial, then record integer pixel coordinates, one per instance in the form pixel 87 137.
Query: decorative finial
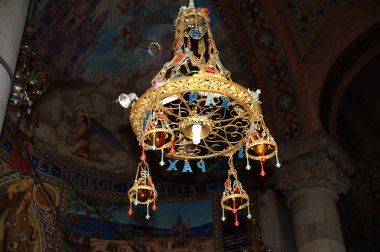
pixel 191 4
pixel 255 94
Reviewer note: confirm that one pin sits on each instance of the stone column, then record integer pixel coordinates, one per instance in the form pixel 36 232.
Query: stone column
pixel 316 220
pixel 12 20
pixel 275 221
pixel 311 179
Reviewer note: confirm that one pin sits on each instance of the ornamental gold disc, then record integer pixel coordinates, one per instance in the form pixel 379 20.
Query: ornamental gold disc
pixel 224 109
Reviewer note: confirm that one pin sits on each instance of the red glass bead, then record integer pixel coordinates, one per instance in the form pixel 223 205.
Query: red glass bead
pixel 159 139
pixel 178 59
pixel 236 221
pixel 227 183
pixel 175 44
pixel 143 157
pixel 143 195
pixel 210 69
pixel 172 150
pixel 205 10
pixel 160 116
pixel 262 173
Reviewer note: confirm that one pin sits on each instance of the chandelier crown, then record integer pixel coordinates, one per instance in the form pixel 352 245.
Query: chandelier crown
pixel 194 48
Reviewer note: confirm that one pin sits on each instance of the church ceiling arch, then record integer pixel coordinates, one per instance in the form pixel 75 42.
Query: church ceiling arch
pixel 255 36
pixel 327 47
pixel 305 19
pixel 361 51
pixel 348 110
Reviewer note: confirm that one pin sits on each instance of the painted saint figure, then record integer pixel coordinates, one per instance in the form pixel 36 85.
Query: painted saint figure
pixel 20 233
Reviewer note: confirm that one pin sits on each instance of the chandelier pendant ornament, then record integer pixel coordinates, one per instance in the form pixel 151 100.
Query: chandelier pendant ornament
pixel 143 191
pixel 29 83
pixel 260 145
pixel 156 133
pixel 193 110
pixel 234 196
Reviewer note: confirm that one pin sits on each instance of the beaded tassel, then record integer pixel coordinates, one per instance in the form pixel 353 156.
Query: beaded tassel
pixel 130 208
pixel 147 212
pixel 278 164
pixel 234 206
pixel 248 167
pixel 262 173
pixel 154 207
pixel 172 150
pixel 162 163
pixel 236 221
pixel 136 202
pixel 249 216
pixel 154 141
pixel 143 157
pixel 223 217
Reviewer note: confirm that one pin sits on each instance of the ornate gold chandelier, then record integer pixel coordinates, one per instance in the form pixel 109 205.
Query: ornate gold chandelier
pixel 194 111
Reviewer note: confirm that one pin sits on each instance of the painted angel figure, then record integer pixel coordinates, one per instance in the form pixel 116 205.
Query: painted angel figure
pixel 79 137
pixel 88 138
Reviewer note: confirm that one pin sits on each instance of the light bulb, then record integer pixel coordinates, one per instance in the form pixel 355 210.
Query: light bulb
pixel 124 100
pixel 196 130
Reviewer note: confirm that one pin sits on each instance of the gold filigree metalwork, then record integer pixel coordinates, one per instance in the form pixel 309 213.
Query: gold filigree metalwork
pixel 206 113
pixel 260 144
pixel 224 109
pixel 234 196
pixel 228 127
pixel 196 71
pixel 156 133
pixel 143 190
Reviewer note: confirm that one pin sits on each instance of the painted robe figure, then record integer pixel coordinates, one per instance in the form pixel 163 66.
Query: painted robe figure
pixel 20 233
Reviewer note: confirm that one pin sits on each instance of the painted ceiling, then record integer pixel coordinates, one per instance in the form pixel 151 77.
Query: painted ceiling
pixel 91 51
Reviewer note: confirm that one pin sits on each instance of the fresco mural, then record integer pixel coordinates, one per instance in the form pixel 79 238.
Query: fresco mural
pixel 28 211
pixel 19 156
pixel 89 62
pixel 20 231
pixel 97 225
pixel 83 213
